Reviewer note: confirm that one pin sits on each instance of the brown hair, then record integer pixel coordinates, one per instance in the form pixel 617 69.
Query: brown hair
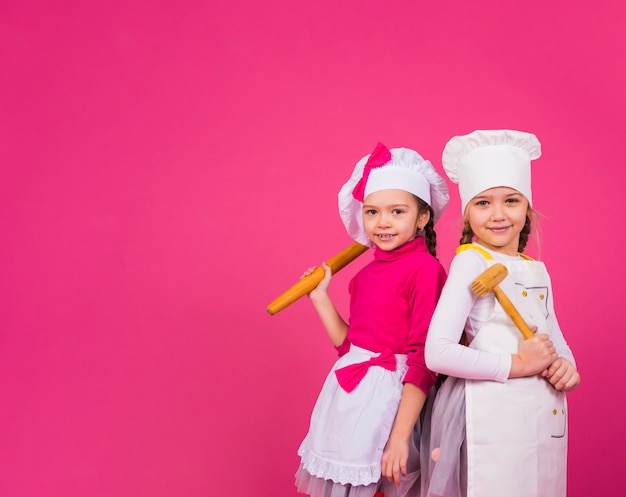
pixel 429 229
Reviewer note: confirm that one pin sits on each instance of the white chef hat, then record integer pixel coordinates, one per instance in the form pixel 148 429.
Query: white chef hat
pixel 384 169
pixel 489 158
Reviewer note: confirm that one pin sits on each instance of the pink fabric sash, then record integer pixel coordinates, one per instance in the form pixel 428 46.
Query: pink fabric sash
pixel 350 376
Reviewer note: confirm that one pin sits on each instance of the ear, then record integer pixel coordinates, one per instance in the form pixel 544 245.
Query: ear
pixel 423 218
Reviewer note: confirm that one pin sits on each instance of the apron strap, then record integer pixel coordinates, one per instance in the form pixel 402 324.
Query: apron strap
pixel 485 254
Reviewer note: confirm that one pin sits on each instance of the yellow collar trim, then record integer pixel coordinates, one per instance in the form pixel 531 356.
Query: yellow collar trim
pixel 486 255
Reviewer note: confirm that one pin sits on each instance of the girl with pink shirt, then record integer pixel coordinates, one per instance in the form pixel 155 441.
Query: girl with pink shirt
pixel 362 430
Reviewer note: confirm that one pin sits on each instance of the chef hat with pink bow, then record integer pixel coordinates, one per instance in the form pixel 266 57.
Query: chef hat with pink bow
pixel 384 169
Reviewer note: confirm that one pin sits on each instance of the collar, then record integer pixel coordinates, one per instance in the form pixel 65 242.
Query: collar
pixel 490 254
pixel 418 244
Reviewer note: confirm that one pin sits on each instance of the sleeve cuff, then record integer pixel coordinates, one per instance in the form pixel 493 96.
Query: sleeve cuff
pixel 423 379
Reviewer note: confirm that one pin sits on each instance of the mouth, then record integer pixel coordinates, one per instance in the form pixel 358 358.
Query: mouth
pixel 384 236
pixel 499 229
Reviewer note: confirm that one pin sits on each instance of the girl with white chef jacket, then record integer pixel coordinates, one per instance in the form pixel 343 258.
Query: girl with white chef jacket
pixel 499 422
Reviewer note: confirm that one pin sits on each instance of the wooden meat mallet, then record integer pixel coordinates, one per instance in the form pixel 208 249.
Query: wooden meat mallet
pixel 308 283
pixel 489 281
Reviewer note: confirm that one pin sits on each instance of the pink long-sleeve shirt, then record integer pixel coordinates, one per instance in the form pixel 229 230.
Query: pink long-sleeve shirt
pixel 392 301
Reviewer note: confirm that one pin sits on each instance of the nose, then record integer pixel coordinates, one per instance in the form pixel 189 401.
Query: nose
pixel 497 214
pixel 383 221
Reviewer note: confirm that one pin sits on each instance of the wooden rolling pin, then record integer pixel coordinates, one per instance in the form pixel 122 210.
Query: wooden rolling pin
pixel 308 283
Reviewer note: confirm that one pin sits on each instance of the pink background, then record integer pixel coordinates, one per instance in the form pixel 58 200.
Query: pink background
pixel 168 168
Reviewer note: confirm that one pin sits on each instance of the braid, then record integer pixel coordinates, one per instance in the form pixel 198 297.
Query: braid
pixel 430 237
pixel 429 234
pixel 524 234
pixel 467 234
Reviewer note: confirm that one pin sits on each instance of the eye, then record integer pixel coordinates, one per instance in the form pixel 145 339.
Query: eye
pixel 512 200
pixel 398 211
pixel 370 212
pixel 481 203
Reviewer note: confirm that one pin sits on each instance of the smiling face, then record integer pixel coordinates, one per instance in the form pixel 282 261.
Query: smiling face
pixel 497 217
pixel 391 218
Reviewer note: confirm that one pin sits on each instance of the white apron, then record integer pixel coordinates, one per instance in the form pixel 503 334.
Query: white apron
pixel 348 431
pixel 516 431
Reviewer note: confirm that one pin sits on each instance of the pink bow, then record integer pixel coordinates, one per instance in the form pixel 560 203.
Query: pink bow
pixel 379 157
pixel 350 376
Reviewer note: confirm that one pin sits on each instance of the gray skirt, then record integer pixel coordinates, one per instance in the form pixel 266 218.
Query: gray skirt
pixel 443 449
